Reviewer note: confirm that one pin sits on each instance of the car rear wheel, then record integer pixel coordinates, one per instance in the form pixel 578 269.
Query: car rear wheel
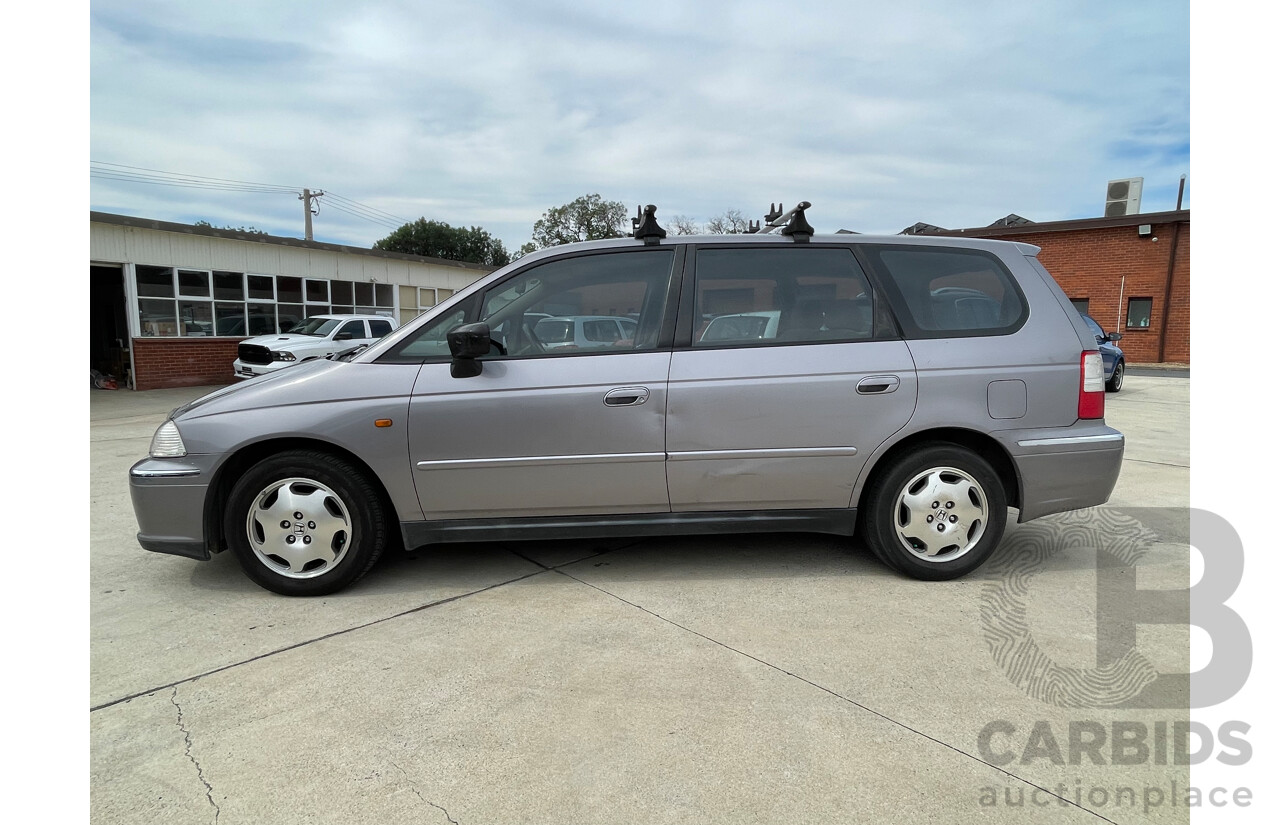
pixel 938 513
pixel 305 523
pixel 1117 378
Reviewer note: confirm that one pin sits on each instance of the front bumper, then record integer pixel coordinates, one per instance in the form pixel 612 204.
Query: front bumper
pixel 243 370
pixel 1064 468
pixel 169 503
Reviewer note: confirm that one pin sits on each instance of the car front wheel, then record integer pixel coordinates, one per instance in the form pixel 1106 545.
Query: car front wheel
pixel 938 513
pixel 305 523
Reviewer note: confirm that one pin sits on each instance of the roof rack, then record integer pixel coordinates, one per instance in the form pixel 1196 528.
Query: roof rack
pixel 644 226
pixel 793 222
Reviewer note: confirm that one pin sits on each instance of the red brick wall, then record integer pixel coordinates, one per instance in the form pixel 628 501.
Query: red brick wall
pixel 1090 263
pixel 183 362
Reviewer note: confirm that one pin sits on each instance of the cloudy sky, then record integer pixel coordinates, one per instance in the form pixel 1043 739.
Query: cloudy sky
pixel 489 113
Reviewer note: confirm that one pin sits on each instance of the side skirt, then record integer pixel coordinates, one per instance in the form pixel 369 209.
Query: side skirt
pixel 839 522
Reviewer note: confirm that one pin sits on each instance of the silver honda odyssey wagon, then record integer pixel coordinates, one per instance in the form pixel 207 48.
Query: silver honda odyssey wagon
pixel 904 390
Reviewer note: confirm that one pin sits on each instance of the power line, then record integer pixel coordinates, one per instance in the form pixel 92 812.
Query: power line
pixel 104 175
pixel 158 177
pixel 371 209
pixel 382 222
pixel 103 168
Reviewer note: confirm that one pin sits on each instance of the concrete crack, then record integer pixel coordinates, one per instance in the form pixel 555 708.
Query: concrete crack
pixel 186 734
pixel 424 800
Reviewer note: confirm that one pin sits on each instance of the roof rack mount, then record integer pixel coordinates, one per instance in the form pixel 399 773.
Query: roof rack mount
pixel 644 226
pixel 793 222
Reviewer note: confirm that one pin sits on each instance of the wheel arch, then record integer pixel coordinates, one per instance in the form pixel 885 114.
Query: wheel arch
pixel 239 462
pixel 984 445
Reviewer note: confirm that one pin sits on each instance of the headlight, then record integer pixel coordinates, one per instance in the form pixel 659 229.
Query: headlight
pixel 282 356
pixel 167 442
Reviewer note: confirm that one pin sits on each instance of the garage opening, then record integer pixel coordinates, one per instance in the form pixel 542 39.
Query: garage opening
pixel 108 324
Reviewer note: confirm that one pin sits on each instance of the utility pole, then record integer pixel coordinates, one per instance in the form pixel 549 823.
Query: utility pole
pixel 306 197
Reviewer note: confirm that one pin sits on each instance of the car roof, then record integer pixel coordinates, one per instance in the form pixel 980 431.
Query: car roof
pixel 765 239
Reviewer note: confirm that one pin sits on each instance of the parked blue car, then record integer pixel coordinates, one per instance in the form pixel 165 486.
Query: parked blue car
pixel 1112 356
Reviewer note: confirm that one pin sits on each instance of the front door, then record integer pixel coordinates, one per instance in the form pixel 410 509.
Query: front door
pixel 549 430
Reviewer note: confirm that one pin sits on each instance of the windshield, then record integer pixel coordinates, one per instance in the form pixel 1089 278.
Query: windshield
pixel 554 331
pixel 315 326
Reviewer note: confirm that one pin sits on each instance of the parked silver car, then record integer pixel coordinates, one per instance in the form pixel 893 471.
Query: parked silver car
pixel 916 387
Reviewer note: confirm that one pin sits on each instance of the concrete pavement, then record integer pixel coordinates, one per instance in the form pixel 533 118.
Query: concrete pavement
pixel 728 679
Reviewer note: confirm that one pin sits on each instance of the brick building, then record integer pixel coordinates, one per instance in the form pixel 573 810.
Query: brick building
pixel 170 302
pixel 1131 273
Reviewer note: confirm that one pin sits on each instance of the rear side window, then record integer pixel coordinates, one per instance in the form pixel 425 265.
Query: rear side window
pixel 379 328
pixel 779 295
pixel 944 293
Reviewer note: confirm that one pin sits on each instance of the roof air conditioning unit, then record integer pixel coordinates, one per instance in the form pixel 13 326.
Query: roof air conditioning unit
pixel 1123 197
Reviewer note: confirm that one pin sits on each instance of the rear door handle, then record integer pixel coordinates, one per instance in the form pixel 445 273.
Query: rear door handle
pixel 626 397
pixel 878 384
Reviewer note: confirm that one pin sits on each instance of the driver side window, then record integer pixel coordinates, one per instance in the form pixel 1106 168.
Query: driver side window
pixel 431 342
pixel 560 307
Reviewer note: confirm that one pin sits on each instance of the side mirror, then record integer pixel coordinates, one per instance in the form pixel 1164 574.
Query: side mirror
pixel 467 343
pixel 343 336
pixel 1114 336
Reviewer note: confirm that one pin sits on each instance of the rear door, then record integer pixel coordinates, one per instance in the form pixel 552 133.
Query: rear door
pixel 545 430
pixel 784 419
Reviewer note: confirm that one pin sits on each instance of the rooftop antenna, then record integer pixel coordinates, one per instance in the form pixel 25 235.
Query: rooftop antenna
pixel 644 226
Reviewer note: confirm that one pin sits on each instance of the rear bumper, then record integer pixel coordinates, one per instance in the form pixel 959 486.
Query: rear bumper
pixel 1064 468
pixel 168 502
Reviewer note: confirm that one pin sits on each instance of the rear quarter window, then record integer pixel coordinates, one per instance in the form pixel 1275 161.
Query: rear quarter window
pixel 940 293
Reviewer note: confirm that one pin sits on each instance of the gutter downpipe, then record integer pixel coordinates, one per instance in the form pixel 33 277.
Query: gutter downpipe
pixel 1168 283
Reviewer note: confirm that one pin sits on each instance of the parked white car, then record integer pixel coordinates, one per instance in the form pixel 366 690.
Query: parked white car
pixel 584 331
pixel 315 337
pixel 742 326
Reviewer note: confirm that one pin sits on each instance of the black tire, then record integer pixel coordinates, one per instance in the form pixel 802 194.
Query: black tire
pixel 971 507
pixel 343 528
pixel 1116 381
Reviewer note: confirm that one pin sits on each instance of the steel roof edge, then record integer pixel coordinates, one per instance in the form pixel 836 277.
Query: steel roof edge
pixel 1173 216
pixel 237 235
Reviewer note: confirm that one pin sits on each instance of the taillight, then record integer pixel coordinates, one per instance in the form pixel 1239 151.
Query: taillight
pixel 1093 391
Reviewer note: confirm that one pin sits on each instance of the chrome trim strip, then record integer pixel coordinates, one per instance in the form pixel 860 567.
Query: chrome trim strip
pixel 539 461
pixel 1068 440
pixel 183 473
pixel 793 452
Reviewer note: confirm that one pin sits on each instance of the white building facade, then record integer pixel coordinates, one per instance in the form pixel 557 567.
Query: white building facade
pixel 170 302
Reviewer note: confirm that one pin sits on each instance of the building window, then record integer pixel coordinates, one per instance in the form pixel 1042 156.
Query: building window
pixel 344 297
pixel 1081 305
pixel 1139 313
pixel 193 283
pixel 192 303
pixel 416 300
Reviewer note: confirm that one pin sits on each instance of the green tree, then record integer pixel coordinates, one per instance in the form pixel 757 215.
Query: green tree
pixel 249 230
pixel 588 218
pixel 434 239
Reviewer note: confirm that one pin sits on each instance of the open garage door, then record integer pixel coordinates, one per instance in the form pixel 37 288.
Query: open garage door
pixel 108 324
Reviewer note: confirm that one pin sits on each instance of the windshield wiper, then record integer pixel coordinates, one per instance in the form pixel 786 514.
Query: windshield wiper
pixel 347 354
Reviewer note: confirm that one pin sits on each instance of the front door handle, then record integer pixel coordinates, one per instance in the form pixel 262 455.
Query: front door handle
pixel 626 397
pixel 878 384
